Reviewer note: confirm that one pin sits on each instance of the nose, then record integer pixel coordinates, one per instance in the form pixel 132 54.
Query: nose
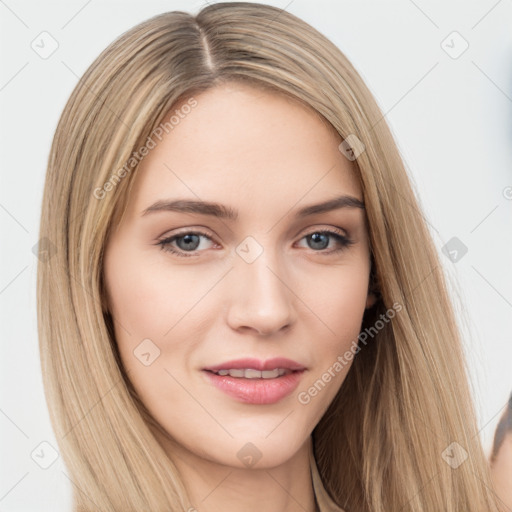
pixel 261 298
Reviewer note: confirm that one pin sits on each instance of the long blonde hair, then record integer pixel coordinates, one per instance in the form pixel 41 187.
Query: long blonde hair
pixel 382 444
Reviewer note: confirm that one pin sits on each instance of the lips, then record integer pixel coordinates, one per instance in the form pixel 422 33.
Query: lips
pixel 253 381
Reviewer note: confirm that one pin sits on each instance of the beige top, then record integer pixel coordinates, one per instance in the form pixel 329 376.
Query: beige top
pixel 323 500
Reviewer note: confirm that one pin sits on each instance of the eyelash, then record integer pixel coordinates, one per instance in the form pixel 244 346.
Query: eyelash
pixel 342 239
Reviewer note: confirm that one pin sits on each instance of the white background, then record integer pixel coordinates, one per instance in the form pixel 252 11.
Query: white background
pixel 451 117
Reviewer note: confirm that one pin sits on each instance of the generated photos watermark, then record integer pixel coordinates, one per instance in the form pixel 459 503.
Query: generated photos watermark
pixel 305 397
pixel 151 143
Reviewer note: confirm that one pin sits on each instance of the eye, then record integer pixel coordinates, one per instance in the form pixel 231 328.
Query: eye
pixel 319 240
pixel 189 242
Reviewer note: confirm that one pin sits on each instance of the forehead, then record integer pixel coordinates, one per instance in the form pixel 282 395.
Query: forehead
pixel 246 147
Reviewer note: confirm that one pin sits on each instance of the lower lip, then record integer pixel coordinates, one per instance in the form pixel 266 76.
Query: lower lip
pixel 256 391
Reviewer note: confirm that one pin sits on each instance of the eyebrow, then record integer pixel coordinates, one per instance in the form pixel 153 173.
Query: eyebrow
pixel 225 212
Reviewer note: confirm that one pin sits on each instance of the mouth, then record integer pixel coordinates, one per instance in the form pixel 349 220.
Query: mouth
pixel 243 382
pixel 251 373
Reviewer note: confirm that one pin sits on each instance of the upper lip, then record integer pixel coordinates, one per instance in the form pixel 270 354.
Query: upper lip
pixel 257 364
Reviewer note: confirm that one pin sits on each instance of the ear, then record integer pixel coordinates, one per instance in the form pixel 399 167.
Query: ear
pixel 371 299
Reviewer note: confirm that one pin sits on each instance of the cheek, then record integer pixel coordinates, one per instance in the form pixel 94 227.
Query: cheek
pixel 156 309
pixel 339 301
pixel 150 320
pixel 343 311
pixel 340 307
pixel 146 300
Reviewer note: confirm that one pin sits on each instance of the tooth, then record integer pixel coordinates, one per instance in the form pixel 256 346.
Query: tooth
pixel 252 374
pixel 236 373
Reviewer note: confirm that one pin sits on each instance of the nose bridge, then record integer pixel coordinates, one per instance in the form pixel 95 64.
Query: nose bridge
pixel 261 299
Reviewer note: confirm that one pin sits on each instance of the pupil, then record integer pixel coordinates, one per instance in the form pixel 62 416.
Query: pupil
pixel 316 238
pixel 188 239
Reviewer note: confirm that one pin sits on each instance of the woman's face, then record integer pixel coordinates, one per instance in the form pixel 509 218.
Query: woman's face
pixel 261 283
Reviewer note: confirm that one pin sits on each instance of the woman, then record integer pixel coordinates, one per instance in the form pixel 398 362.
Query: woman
pixel 202 347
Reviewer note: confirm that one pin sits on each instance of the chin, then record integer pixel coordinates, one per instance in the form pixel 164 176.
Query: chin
pixel 256 451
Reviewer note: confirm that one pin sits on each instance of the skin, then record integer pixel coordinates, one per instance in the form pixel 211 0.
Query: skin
pixel 265 156
pixel 501 471
pixel 501 463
